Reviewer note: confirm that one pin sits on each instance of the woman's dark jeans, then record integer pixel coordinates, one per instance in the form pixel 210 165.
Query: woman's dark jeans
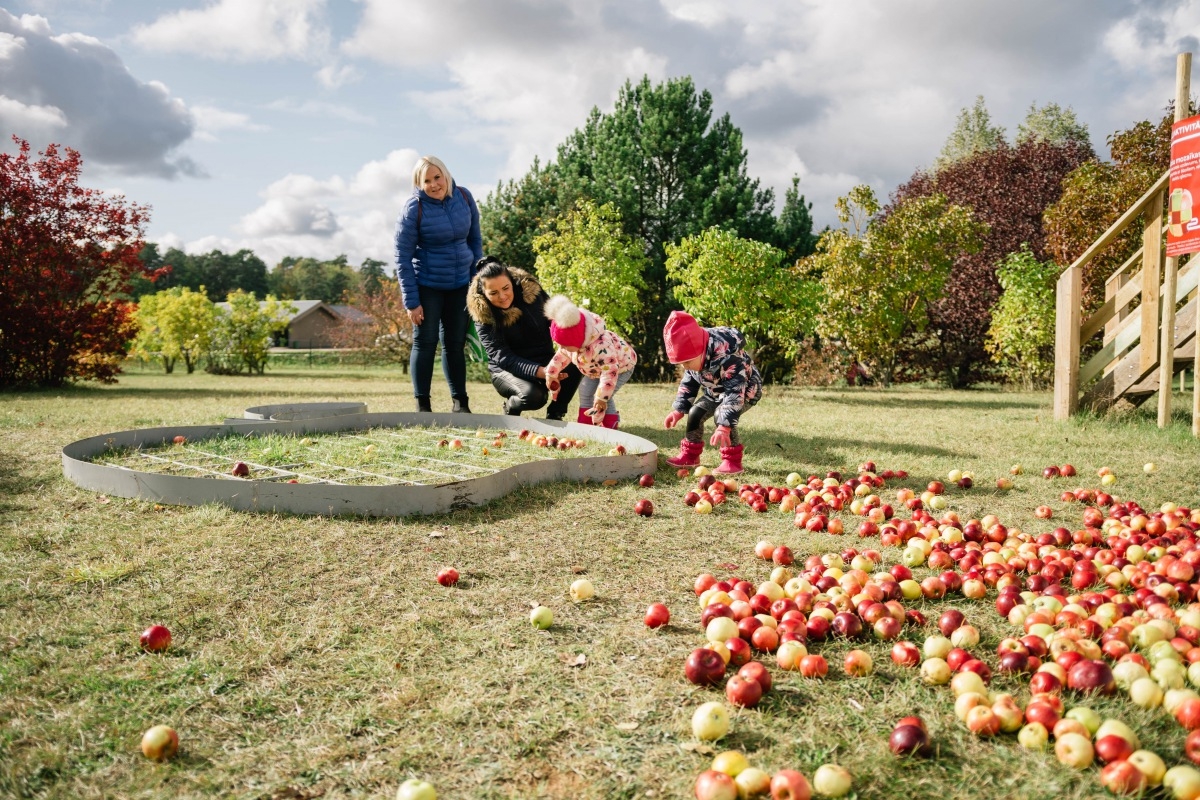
pixel 521 394
pixel 445 318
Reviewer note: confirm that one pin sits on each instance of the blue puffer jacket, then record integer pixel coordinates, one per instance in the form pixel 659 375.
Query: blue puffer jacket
pixel 449 243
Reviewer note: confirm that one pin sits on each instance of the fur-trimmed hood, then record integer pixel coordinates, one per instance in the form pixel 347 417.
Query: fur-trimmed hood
pixel 525 287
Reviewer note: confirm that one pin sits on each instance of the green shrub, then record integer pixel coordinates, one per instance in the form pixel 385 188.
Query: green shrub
pixel 1021 339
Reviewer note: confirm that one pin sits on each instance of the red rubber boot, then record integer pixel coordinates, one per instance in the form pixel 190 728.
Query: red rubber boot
pixel 612 421
pixel 731 460
pixel 689 454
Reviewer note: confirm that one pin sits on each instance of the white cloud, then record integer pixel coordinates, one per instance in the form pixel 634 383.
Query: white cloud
pixel 245 30
pixel 322 217
pixel 211 121
pixel 77 90
pixel 334 76
pixel 321 108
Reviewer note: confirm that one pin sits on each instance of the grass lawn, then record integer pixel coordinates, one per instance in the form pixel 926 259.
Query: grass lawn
pixel 317 657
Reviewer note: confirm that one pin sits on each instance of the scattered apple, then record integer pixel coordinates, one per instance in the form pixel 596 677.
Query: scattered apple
pixel 832 780
pixel 646 481
pixel 710 722
pixel 447 576
pixel 542 618
pixel 657 615
pixel 582 589
pixel 240 470
pixel 155 639
pixel 416 789
pixel 643 508
pixel 160 743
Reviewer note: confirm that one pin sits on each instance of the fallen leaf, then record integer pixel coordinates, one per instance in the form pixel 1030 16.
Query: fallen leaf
pixel 104 500
pixel 436 534
pixel 573 660
pixel 610 482
pixel 578 570
pixel 857 706
pixel 698 747
pixel 627 726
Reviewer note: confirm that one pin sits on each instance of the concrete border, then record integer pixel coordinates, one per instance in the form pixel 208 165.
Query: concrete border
pixel 325 499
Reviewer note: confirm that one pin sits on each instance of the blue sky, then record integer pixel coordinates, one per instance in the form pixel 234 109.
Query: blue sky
pixel 291 126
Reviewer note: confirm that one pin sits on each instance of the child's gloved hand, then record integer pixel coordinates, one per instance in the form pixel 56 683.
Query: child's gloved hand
pixel 672 419
pixel 721 437
pixel 596 412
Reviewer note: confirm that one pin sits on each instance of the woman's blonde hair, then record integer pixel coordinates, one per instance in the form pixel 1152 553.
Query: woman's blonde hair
pixel 423 165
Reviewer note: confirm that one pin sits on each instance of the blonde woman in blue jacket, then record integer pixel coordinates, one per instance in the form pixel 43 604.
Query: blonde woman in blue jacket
pixel 438 242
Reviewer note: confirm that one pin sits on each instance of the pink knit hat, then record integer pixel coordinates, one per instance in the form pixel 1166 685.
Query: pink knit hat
pixel 567 326
pixel 683 337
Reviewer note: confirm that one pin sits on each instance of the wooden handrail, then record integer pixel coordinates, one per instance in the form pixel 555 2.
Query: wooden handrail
pixel 1123 221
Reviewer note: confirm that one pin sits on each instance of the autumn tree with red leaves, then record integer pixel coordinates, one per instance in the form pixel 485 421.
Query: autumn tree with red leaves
pixel 1008 188
pixel 68 254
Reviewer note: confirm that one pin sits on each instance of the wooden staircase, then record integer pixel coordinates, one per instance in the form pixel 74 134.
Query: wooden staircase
pixel 1127 348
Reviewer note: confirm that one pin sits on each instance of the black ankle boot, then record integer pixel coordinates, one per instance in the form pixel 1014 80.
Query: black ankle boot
pixel 460 406
pixel 423 404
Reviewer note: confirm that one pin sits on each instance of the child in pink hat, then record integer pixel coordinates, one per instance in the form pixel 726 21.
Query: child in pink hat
pixel 605 359
pixel 719 380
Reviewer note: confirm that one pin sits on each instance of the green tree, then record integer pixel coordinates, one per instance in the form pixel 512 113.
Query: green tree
pixel 879 278
pixel 973 133
pixel 243 332
pixel 793 232
pixel 218 272
pixel 1021 338
pixel 586 256
pixel 517 212
pixel 722 279
pixel 668 167
pixel 372 275
pixel 175 324
pixel 311 279
pixel 1054 124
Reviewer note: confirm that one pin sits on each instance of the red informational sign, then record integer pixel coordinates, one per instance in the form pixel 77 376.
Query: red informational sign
pixel 1183 219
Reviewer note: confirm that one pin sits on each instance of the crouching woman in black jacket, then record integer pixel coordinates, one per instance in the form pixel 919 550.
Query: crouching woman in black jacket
pixel 507 306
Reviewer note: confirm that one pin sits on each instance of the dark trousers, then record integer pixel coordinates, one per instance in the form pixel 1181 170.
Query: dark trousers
pixel 521 394
pixel 701 411
pixel 445 319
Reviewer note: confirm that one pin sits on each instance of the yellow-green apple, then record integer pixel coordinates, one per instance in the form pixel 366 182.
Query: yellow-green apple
pixel 160 743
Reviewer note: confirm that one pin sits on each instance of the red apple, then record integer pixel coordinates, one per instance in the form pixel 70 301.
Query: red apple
pixel 180 440
pixel 906 654
pixel 646 481
pixel 704 667
pixel 447 576
pixel 814 666
pixel 1091 675
pixel 156 638
pixel 950 621
pixel 1191 747
pixel 713 785
pixel 643 508
pixel 788 784
pixel 1110 748
pixel 755 671
pixel 743 691
pixel 782 555
pixel 907 740
pixel 1122 778
pixel 240 470
pixel 657 615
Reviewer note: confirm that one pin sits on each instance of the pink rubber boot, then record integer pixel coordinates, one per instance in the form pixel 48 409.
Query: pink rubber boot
pixel 731 460
pixel 689 454
pixel 611 421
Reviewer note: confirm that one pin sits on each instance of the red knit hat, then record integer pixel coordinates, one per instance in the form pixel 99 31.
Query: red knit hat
pixel 567 326
pixel 683 337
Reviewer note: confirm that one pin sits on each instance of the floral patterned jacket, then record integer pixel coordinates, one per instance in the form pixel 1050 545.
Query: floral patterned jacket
pixel 604 355
pixel 727 376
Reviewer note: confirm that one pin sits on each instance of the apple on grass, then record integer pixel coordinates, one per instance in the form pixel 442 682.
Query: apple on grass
pixel 731 762
pixel 1074 750
pixel 416 789
pixel 155 639
pixel 714 785
pixel 752 782
pixel 646 481
pixel 1183 782
pixel 643 508
pixel 160 743
pixel 832 780
pixel 240 470
pixel 657 615
pixel 447 576
pixel 710 722
pixel 704 667
pixel 542 618
pixel 582 590
pixel 788 784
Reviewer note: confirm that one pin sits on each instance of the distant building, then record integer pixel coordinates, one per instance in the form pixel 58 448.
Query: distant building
pixel 313 322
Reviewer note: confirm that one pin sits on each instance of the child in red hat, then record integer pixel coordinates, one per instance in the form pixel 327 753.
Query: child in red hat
pixel 719 380
pixel 605 359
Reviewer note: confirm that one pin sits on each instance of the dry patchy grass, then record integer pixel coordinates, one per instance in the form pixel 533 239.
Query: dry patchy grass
pixel 316 657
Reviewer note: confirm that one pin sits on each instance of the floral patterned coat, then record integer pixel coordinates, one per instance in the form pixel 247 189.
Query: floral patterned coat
pixel 727 376
pixel 604 355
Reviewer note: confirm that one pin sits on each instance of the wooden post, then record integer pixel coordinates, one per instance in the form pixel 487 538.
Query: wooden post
pixel 1151 278
pixel 1166 359
pixel 1068 308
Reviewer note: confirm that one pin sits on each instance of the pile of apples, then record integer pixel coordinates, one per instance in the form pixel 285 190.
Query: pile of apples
pixel 555 442
pixel 731 777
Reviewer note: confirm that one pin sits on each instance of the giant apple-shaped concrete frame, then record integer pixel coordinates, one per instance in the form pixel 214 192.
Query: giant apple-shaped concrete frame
pixel 335 499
